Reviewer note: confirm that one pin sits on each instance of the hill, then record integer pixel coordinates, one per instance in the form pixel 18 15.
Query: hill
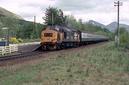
pixel 96 23
pixel 6 13
pixel 113 26
pixel 18 27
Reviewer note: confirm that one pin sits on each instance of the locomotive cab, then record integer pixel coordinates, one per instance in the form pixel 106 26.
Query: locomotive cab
pixel 50 38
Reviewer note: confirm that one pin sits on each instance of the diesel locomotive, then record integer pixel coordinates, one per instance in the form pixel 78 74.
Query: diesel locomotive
pixel 58 37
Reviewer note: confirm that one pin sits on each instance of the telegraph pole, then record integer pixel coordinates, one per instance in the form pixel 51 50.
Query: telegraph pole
pixel 117 40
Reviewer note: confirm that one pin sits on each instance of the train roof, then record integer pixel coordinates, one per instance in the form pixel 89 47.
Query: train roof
pixel 63 28
pixel 91 33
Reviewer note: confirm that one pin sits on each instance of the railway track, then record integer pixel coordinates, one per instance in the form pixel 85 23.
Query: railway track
pixel 20 55
pixel 27 56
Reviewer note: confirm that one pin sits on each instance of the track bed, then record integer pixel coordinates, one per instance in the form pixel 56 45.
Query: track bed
pixel 37 55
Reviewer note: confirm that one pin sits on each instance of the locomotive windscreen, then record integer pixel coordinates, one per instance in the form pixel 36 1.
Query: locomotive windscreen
pixel 47 34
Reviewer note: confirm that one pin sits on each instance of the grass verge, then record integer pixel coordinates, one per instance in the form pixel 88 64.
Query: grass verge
pixel 102 65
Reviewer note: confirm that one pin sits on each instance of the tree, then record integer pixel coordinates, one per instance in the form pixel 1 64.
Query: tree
pixel 54 16
pixel 124 34
pixel 71 21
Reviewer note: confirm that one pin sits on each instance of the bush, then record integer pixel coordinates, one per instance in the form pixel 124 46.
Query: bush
pixel 14 40
pixel 20 40
pixel 124 40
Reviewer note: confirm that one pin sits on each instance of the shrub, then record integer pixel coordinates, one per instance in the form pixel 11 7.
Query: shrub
pixel 14 40
pixel 124 40
pixel 20 40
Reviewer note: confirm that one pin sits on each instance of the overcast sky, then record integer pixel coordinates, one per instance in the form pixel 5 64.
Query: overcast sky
pixel 102 11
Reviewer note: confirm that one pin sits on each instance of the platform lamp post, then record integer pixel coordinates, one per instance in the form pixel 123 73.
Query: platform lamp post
pixel 117 35
pixel 7 36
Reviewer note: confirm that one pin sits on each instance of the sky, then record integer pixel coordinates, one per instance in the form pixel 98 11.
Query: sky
pixel 102 11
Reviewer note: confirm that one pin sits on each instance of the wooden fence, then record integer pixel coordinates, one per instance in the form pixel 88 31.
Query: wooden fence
pixel 8 49
pixel 13 48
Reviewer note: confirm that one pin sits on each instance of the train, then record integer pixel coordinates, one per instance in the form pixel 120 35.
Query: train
pixel 59 37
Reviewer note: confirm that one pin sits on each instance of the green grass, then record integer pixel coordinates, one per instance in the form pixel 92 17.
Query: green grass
pixel 102 65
